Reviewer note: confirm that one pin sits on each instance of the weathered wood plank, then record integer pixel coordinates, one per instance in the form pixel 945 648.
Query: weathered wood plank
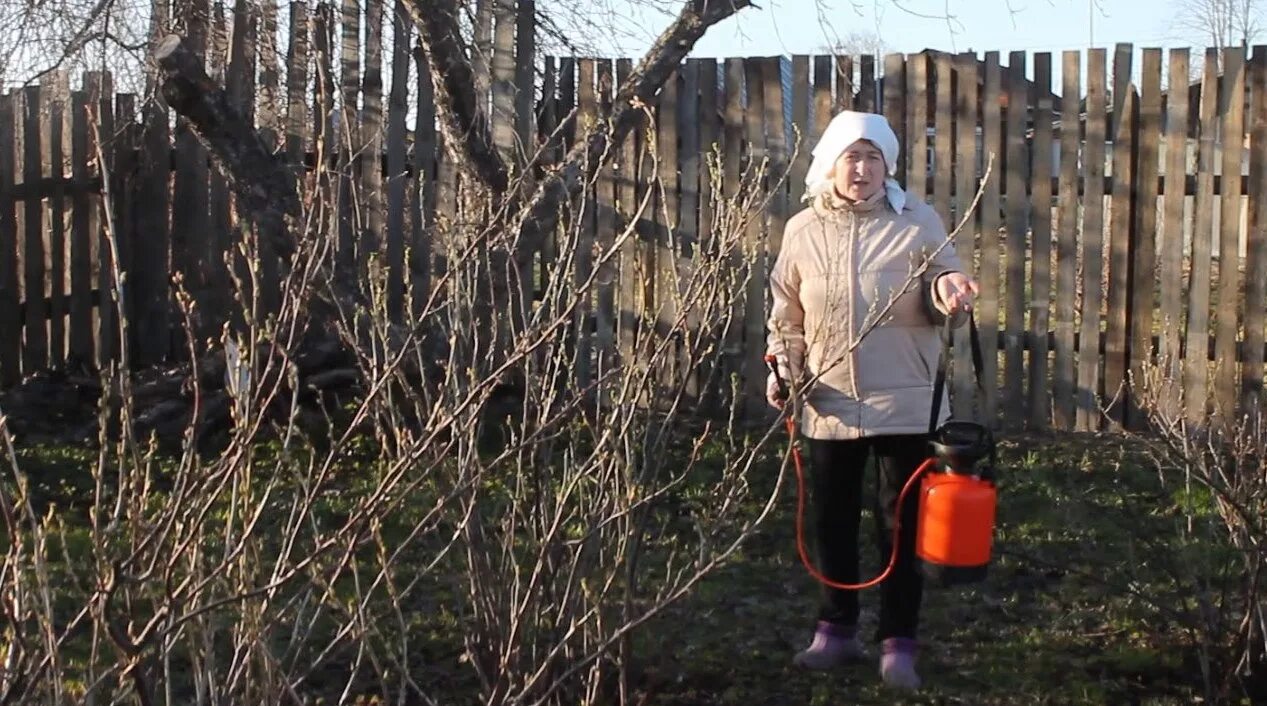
pixel 127 144
pixel 605 202
pixel 866 83
pixel 100 138
pixel 558 94
pixel 845 87
pixel 967 119
pixel 1172 245
pixel 667 224
pixel 645 263
pixel 755 250
pixel 525 128
pixel 191 222
pixel 1017 225
pixel 370 241
pixel 894 98
pixel 151 241
pixel 525 51
pixel 55 94
pixel 1196 370
pixel 709 192
pixel 271 112
pixel 1227 314
pixel 348 137
pixel 865 99
pixel 1040 249
pixel 800 145
pixel 240 84
pixel 422 193
pixel 630 252
pixel 1256 241
pixel 917 125
pixel 1089 361
pixel 944 136
pixel 1125 111
pixel 397 166
pixel 482 51
pixel 567 99
pixel 988 274
pixel 297 58
pixel 823 79
pixel 325 142
pixel 1144 243
pixel 81 352
pixel 503 79
pixel 777 211
pixel 1064 315
pixel 242 57
pixel 34 289
pixel 10 322
pixel 587 102
pixel 733 135
pixel 776 150
pixel 686 243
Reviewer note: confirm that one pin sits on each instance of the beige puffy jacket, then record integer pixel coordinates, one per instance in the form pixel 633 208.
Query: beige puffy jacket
pixel 841 263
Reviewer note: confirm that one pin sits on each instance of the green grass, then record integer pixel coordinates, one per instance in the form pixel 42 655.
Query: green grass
pixel 1066 615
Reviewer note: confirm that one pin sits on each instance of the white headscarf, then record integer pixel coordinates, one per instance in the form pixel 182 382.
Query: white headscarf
pixel 845 129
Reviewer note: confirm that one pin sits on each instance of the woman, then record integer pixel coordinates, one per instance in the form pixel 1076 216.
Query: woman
pixel 848 273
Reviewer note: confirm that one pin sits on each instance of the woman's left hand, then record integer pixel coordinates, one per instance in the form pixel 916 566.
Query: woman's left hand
pixel 956 290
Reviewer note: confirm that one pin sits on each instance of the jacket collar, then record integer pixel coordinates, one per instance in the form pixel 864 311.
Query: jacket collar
pixel 831 202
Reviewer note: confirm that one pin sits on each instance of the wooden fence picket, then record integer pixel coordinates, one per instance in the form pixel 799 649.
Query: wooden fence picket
pixel 1090 364
pixel 1038 389
pixel 992 147
pixel 1227 319
pixel 1256 239
pixel 1196 374
pixel 1143 245
pixel 1015 188
pixel 1117 331
pixel 966 169
pixel 10 294
pixel 1171 245
pixel 1064 321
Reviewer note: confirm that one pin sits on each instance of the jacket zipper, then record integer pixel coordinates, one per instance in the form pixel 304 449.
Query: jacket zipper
pixel 852 243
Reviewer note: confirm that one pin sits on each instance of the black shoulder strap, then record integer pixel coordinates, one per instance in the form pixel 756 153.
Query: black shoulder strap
pixel 947 353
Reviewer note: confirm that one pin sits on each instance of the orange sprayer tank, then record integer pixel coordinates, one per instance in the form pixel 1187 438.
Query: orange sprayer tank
pixel 956 525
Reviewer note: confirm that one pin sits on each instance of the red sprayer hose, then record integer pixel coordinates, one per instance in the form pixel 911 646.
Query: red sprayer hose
pixel 800 518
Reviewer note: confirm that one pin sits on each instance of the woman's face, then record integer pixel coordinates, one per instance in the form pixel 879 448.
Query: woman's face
pixel 859 171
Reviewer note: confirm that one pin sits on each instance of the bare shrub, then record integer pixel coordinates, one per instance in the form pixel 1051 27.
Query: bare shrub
pixel 467 502
pixel 1215 467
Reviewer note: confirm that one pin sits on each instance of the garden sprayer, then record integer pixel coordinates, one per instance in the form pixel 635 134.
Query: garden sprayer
pixel 957 495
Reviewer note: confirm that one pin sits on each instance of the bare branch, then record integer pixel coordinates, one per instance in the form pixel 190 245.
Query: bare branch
pixel 588 156
pixel 462 122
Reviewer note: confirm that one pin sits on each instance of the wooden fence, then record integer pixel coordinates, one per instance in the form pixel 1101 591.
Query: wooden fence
pixel 1101 241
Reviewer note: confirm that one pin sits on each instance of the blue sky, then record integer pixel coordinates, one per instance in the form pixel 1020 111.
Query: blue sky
pixel 807 26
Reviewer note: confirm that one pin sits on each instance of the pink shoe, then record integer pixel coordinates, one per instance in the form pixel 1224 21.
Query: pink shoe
pixel 833 646
pixel 897 664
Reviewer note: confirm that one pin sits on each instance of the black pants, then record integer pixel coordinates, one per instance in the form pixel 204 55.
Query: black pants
pixel 837 470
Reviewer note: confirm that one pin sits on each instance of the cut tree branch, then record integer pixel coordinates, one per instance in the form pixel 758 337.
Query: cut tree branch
pixel 463 123
pixel 586 157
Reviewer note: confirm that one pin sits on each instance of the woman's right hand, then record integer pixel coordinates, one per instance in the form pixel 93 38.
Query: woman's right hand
pixel 773 394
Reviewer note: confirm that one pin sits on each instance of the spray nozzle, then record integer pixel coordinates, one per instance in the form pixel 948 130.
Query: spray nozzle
pixel 960 445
